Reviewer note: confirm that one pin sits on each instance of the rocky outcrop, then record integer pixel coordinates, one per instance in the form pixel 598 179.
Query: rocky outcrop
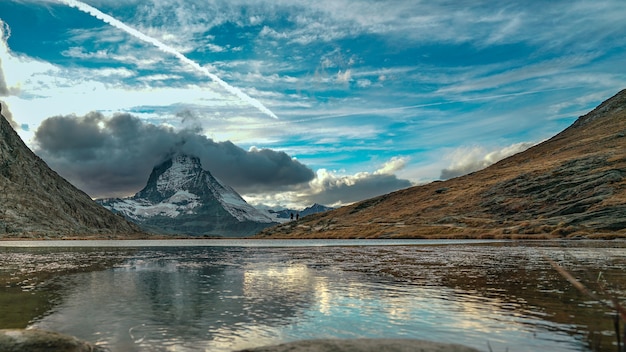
pixel 364 345
pixel 566 195
pixel 36 202
pixel 569 186
pixel 43 341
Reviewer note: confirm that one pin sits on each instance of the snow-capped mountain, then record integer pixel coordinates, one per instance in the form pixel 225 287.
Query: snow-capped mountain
pixel 182 198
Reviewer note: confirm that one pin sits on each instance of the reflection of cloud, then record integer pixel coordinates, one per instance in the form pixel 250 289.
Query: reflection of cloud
pixel 323 297
pixel 225 299
pixel 290 280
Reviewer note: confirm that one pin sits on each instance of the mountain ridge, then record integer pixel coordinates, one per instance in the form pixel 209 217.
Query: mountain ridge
pixel 572 185
pixel 36 202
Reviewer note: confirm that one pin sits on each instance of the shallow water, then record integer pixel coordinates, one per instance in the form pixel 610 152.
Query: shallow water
pixel 227 295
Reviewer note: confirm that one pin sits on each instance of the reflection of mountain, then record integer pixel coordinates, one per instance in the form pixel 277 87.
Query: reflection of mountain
pixel 187 296
pixel 26 276
pixel 230 298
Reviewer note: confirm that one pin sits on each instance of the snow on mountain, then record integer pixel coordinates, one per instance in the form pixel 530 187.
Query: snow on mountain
pixel 182 202
pixel 181 197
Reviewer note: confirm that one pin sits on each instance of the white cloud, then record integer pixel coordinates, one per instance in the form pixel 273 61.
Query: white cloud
pixel 159 77
pixel 364 83
pixel 465 160
pixel 345 76
pixel 395 164
pixel 79 53
pixel 216 48
pixel 336 188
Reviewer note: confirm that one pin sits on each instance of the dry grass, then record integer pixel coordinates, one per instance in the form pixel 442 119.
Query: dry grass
pixel 524 196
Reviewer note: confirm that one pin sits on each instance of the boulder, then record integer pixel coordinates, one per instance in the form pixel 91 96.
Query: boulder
pixel 15 340
pixel 363 345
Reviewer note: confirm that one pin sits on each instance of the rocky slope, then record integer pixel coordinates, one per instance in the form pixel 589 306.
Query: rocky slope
pixel 571 185
pixel 182 198
pixel 36 202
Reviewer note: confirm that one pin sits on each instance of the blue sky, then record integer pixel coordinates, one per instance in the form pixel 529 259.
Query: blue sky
pixel 295 102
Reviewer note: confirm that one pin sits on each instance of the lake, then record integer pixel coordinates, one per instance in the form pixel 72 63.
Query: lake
pixel 223 295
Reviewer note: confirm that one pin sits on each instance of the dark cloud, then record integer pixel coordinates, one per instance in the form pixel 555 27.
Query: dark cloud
pixel 114 156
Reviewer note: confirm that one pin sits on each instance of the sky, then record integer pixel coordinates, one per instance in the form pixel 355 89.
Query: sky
pixel 299 102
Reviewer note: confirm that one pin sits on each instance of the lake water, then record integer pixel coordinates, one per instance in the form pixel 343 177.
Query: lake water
pixel 223 295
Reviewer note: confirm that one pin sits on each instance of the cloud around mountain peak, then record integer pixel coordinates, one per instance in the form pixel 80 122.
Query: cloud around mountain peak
pixel 113 156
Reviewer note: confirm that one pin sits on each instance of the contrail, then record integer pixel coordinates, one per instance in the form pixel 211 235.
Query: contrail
pixel 167 49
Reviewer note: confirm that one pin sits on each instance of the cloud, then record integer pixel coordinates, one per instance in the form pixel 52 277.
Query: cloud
pixel 465 160
pixel 336 189
pixel 169 50
pixel 5 33
pixel 330 188
pixel 114 156
pixel 7 114
pixel 394 164
pixel 4 89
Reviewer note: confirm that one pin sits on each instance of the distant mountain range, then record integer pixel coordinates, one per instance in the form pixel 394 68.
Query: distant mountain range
pixel 285 215
pixel 35 202
pixel 181 197
pixel 573 185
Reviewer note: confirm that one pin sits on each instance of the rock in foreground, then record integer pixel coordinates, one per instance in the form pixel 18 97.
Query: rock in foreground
pixel 364 345
pixel 43 341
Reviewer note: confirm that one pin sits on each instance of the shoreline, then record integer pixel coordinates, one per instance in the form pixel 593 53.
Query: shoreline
pixel 42 237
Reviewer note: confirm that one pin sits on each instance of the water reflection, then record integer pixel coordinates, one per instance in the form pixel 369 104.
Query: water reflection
pixel 222 298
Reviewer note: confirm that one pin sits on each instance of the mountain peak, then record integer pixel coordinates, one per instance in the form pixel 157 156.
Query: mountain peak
pixel 178 172
pixel 607 108
pixel 182 197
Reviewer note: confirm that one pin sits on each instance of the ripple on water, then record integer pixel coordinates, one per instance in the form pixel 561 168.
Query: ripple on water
pixel 223 298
